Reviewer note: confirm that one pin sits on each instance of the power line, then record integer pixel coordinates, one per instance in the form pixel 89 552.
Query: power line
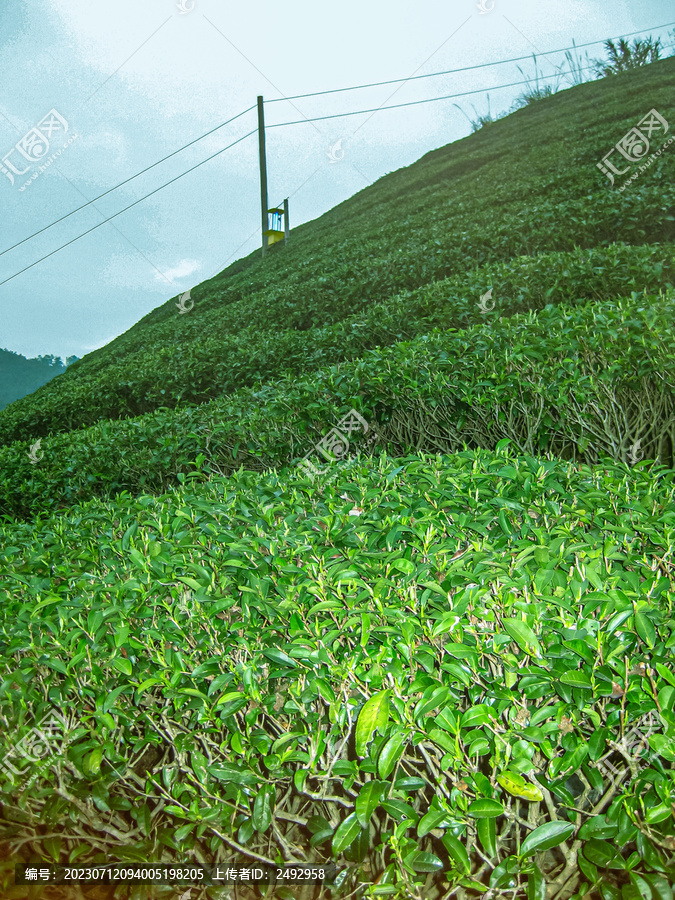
pixel 131 205
pixel 417 102
pixel 323 93
pixel 500 62
pixel 279 125
pixel 339 115
pixel 126 181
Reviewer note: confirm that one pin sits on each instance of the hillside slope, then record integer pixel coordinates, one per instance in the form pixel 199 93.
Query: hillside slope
pixel 524 185
pixel 440 661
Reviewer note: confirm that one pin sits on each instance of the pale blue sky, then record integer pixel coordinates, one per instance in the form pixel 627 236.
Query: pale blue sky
pixel 136 81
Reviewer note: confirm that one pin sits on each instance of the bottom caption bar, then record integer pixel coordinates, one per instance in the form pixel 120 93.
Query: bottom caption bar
pixel 149 873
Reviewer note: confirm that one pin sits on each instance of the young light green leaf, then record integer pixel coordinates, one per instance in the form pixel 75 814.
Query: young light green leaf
pixel 373 717
pixel 515 784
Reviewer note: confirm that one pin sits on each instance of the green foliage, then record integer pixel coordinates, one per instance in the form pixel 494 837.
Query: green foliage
pixel 584 382
pixel 250 355
pixel 20 376
pixel 446 669
pixel 244 657
pixel 483 201
pixel 623 57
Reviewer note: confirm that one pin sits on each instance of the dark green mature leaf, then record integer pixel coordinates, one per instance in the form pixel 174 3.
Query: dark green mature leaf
pixel 368 800
pixel 487 833
pixel 546 836
pixel 645 628
pixel 523 635
pixel 278 656
pixel 598 827
pixel 262 808
pixel 661 890
pixel 603 854
pixel 457 851
pixel 346 832
pixel 485 808
pixel 536 885
pixel 576 679
pixel 425 862
pixel 433 819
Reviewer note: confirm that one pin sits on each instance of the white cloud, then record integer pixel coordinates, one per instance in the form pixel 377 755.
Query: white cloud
pixel 184 268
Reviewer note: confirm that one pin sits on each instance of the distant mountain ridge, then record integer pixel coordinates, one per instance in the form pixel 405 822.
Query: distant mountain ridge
pixel 20 376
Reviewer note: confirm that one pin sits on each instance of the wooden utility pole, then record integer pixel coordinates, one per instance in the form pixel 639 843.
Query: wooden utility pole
pixel 263 172
pixel 286 226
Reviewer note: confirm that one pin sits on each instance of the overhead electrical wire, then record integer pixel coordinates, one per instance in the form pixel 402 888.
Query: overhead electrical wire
pixel 360 112
pixel 126 181
pixel 501 62
pixel 278 125
pixel 283 124
pixel 323 93
pixel 131 205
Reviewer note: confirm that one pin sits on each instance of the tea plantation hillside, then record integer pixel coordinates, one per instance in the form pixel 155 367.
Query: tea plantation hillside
pixel 524 185
pixel 437 663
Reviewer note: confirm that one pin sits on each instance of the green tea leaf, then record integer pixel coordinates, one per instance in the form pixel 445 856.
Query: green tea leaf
pixel 262 808
pixel 368 800
pixel 487 833
pixel 645 628
pixel 425 862
pixel 457 851
pixel 373 717
pixel 390 753
pixel 485 808
pixel 523 635
pixel 576 679
pixel 347 831
pixel 515 784
pixel 546 836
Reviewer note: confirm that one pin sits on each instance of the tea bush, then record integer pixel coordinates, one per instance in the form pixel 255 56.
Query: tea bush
pixel 450 671
pixel 587 382
pixel 443 666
